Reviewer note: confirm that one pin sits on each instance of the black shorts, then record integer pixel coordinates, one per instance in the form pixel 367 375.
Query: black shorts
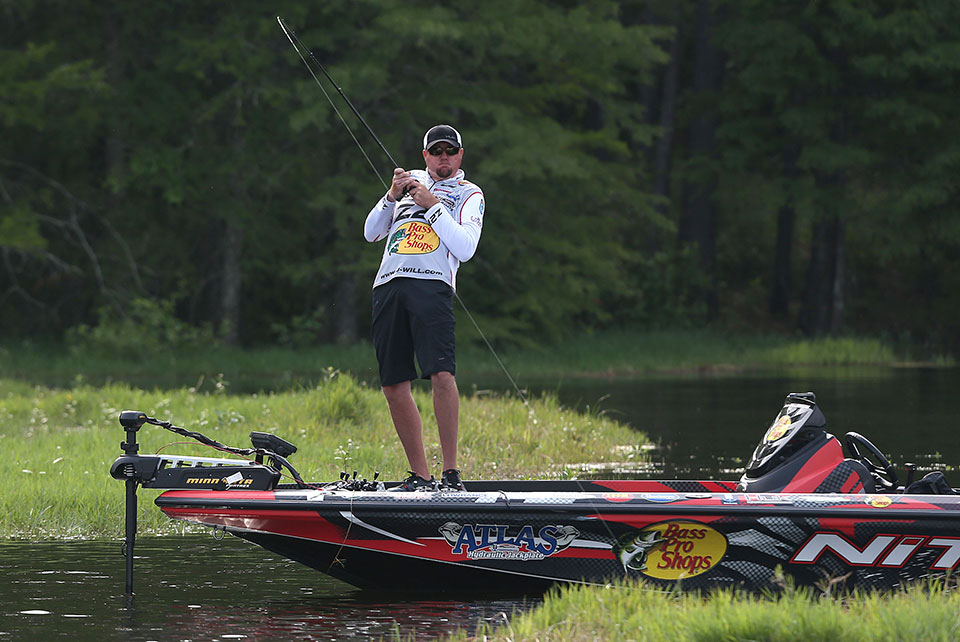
pixel 413 317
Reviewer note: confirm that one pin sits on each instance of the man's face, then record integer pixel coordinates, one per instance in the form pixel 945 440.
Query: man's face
pixel 440 164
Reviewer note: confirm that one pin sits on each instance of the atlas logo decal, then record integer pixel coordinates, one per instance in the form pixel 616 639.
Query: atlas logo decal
pixel 494 541
pixel 415 237
pixel 889 551
pixel 672 550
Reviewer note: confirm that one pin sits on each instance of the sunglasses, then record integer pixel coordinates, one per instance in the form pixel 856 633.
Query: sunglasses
pixel 451 151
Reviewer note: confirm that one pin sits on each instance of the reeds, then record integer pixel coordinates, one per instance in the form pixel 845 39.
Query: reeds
pixel 927 611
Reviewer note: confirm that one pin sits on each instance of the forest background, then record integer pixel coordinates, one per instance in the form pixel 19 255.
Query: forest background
pixel 756 166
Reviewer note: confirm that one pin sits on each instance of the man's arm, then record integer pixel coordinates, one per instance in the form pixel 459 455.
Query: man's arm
pixel 460 232
pixel 377 225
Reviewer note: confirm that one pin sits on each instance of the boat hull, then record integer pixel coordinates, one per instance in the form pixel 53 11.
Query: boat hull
pixel 527 536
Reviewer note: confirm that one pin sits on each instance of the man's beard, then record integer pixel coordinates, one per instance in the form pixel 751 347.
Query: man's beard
pixel 445 172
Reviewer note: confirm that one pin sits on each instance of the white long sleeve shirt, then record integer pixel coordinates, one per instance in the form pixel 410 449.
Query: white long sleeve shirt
pixel 427 244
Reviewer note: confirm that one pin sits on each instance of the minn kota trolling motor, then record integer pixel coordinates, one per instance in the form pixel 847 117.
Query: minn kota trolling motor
pixel 175 471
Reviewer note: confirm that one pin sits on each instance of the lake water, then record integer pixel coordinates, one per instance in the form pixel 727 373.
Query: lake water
pixel 707 427
pixel 197 588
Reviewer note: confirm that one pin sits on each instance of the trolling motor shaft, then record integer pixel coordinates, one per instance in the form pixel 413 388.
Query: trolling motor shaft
pixel 132 421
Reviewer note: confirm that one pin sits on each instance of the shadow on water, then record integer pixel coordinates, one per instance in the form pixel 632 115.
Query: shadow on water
pixel 198 588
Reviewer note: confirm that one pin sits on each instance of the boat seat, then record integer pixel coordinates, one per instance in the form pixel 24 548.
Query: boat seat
pixel 931 484
pixel 849 476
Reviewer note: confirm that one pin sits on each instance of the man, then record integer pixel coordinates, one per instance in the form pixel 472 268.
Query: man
pixel 431 220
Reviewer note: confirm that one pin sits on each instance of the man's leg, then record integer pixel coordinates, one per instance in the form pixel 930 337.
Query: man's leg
pixel 406 420
pixel 446 407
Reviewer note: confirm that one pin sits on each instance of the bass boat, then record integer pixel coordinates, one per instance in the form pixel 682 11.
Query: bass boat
pixel 802 511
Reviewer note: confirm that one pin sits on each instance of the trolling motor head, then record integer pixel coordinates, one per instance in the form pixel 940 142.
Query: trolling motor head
pixel 132 420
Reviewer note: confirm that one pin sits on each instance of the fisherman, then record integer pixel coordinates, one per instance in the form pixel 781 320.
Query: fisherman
pixel 431 220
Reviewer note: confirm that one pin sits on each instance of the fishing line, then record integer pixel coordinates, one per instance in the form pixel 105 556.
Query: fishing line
pixel 297 45
pixel 292 37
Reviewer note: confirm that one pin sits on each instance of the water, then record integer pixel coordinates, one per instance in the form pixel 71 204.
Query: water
pixel 197 588
pixel 707 427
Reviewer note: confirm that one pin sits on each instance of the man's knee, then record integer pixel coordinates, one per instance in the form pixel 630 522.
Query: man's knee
pixel 396 392
pixel 443 381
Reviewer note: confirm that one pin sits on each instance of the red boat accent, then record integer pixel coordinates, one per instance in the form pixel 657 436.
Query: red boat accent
pixel 813 472
pixel 293 523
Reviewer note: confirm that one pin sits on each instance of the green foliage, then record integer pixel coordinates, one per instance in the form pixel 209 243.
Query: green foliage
pixel 141 328
pixel 180 151
pixel 628 611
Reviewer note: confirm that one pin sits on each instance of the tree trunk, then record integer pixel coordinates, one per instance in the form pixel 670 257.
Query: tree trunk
pixel 232 278
pixel 825 300
pixel 781 285
pixel 668 103
pixel 698 225
pixel 233 242
pixel 345 308
pixel 114 146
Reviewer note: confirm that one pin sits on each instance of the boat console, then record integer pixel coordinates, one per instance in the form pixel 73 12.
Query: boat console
pixel 797 455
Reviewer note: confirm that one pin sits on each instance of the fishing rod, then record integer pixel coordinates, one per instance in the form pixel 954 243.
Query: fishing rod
pixel 295 42
pixel 298 45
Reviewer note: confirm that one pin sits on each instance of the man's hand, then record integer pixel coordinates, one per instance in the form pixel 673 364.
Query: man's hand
pixel 421 195
pixel 401 183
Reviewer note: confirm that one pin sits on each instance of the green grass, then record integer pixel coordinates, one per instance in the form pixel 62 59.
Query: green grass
pixel 59 443
pixel 619 613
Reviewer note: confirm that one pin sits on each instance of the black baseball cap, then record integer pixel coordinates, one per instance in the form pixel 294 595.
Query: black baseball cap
pixel 442 134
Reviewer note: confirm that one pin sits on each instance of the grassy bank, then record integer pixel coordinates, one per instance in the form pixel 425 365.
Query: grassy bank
pixel 59 443
pixel 617 613
pixel 620 353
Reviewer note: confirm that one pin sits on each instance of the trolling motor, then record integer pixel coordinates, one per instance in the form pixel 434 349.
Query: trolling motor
pixel 174 471
pixel 132 421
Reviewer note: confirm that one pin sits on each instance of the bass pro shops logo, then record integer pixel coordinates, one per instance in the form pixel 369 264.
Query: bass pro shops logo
pixel 494 541
pixel 672 550
pixel 414 237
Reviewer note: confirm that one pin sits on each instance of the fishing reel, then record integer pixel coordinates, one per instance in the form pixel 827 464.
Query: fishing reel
pixel 347 482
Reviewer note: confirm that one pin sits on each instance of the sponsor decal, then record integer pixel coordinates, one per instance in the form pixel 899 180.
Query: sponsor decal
pixel 730 499
pixel 768 499
pixel 229 481
pixel 778 429
pixel 878 501
pixel 883 550
pixel 617 497
pixel 414 237
pixel 660 498
pixel 672 550
pixel 498 542
pixel 409 270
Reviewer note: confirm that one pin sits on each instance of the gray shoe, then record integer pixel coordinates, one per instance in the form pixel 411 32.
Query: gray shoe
pixel 415 482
